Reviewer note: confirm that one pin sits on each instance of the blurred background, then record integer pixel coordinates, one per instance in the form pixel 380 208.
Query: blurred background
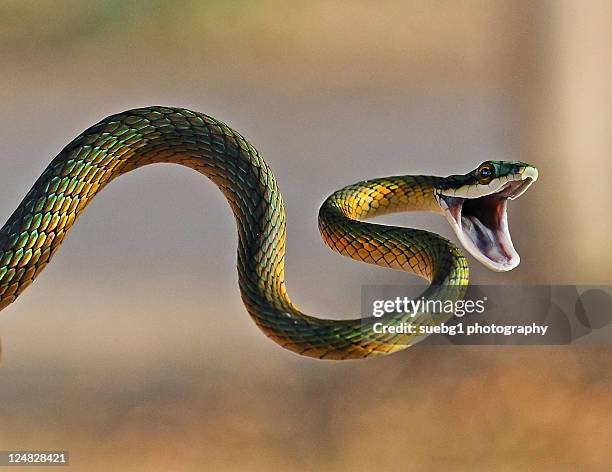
pixel 133 350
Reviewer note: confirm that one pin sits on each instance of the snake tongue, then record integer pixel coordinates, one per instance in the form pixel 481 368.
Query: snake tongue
pixel 481 224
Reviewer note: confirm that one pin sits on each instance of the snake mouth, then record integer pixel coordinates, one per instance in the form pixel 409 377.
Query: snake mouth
pixel 481 223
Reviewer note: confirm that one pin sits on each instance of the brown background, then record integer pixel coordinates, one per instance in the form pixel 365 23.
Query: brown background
pixel 133 350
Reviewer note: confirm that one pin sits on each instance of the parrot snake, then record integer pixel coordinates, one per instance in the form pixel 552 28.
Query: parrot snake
pixel 474 205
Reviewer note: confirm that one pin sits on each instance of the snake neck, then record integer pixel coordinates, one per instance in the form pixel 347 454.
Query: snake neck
pixel 127 141
pixel 426 254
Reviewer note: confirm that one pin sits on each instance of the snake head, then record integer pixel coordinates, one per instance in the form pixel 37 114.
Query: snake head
pixel 475 205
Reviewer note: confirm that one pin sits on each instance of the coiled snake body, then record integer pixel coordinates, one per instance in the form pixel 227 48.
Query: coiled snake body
pixel 474 203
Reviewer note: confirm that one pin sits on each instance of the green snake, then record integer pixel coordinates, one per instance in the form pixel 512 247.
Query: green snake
pixel 474 204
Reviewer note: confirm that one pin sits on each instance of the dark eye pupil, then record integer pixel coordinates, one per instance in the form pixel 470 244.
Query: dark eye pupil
pixel 485 172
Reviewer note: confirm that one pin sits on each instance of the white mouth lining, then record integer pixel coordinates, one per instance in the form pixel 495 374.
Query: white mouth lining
pixel 504 248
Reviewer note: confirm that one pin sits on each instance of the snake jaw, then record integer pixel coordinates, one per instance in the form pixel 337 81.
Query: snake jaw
pixel 479 217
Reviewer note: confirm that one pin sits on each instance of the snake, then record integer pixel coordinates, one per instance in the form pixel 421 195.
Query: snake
pixel 475 205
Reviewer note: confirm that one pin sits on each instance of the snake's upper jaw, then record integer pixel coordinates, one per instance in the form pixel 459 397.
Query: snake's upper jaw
pixel 481 222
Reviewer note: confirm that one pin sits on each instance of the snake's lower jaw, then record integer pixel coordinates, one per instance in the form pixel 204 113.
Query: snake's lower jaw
pixel 482 228
pixel 481 224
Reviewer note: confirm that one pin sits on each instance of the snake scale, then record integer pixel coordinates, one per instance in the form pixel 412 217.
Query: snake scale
pixel 126 141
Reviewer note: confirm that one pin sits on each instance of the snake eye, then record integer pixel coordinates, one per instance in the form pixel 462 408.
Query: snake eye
pixel 485 174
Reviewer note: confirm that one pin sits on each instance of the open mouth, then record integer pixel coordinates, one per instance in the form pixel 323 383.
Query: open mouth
pixel 481 223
